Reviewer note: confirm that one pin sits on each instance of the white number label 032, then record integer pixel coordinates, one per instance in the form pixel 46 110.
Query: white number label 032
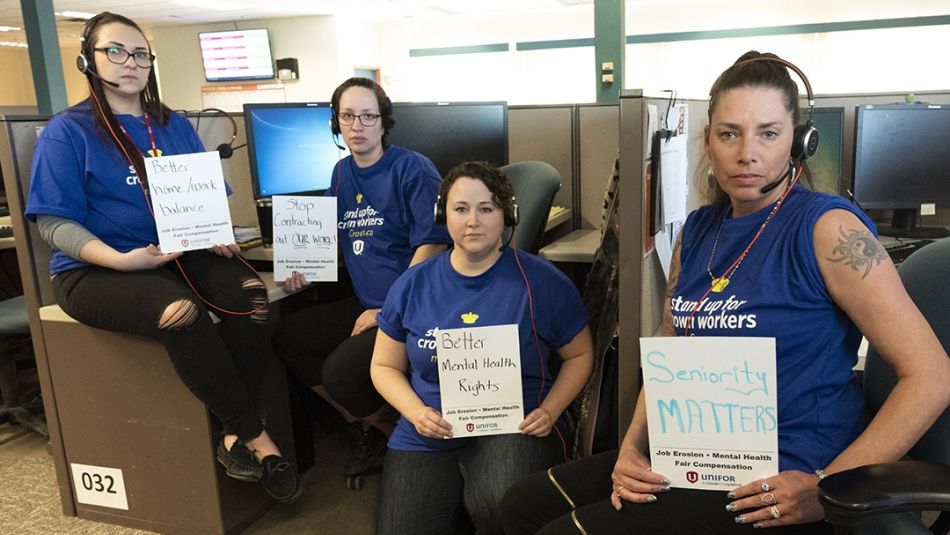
pixel 98 485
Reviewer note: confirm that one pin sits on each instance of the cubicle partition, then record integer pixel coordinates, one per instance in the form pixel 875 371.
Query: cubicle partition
pixel 642 282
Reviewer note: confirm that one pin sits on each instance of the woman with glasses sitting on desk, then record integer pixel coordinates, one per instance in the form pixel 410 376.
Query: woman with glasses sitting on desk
pixel 384 197
pixel 89 199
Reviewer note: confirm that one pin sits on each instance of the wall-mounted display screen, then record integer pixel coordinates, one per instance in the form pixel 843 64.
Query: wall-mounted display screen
pixel 236 55
pixel 290 147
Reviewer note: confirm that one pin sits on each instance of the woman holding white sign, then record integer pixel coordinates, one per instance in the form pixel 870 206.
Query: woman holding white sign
pixel 89 201
pixel 767 258
pixel 430 479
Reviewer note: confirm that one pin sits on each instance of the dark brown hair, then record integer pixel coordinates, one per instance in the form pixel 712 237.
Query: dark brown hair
pixel 497 182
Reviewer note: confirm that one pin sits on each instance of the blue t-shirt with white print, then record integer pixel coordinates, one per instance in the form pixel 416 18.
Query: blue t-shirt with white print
pixel 79 174
pixel 432 296
pixel 778 291
pixel 385 213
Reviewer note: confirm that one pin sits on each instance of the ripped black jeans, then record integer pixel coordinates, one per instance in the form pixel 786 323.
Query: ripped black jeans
pixel 222 365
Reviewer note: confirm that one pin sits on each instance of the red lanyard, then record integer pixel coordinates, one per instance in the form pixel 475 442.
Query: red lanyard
pixel 154 152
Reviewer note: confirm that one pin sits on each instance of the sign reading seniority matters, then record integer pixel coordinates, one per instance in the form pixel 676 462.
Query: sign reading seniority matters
pixel 480 379
pixel 711 409
pixel 190 201
pixel 305 237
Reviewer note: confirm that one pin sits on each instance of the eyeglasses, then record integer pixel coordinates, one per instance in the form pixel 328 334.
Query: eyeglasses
pixel 366 119
pixel 120 55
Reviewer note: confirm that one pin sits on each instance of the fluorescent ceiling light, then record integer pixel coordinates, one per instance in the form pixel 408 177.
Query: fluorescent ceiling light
pixel 10 28
pixel 75 14
pixel 212 4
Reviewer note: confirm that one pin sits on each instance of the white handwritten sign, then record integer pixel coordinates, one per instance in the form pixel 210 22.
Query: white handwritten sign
pixel 305 237
pixel 480 379
pixel 712 412
pixel 190 201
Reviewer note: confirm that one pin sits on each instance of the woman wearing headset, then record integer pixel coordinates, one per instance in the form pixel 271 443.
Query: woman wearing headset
pixel 384 203
pixel 808 270
pixel 428 476
pixel 88 199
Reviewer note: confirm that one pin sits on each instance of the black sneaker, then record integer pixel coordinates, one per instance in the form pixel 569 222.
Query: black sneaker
pixel 368 453
pixel 240 462
pixel 281 480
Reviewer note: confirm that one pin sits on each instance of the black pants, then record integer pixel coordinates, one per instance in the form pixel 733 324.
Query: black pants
pixel 535 505
pixel 315 344
pixel 221 366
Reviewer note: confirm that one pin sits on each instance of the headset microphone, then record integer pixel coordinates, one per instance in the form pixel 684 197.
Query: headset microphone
pixel 83 65
pixel 769 187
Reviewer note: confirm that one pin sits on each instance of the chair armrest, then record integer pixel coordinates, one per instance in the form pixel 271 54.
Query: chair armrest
pixel 849 497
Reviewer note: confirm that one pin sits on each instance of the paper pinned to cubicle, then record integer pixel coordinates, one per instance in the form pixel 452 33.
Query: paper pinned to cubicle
pixel 673 180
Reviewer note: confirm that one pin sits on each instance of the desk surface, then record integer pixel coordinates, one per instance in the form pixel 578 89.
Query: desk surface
pixel 578 246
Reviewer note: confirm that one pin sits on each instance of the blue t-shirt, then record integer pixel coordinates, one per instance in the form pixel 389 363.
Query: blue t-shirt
pixel 385 213
pixel 432 296
pixel 778 291
pixel 79 174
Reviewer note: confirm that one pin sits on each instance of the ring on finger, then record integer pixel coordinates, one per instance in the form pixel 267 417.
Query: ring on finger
pixel 775 512
pixel 619 488
pixel 765 486
pixel 767 498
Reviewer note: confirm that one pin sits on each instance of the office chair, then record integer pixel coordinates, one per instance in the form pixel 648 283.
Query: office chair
pixel 15 345
pixel 535 185
pixel 879 499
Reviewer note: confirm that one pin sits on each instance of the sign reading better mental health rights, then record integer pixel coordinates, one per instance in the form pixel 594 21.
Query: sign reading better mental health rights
pixel 480 379
pixel 711 409
pixel 190 201
pixel 305 237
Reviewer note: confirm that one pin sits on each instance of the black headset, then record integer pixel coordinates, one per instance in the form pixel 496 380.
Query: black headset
pixel 805 141
pixel 84 61
pixel 226 150
pixel 511 219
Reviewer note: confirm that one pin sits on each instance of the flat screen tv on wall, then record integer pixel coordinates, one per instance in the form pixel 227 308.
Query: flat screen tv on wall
pixel 236 55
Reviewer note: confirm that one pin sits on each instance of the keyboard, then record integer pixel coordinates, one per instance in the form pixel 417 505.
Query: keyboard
pixel 6 232
pixel 901 251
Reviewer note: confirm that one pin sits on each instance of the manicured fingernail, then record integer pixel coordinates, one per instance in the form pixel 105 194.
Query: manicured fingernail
pixel 666 488
pixel 740 519
pixel 757 525
pixel 731 494
pixel 731 507
pixel 666 482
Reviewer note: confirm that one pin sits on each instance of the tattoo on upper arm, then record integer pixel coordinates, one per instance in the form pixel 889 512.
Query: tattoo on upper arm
pixel 859 249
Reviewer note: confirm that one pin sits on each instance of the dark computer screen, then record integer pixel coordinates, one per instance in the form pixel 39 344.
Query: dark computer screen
pixel 901 161
pixel 290 147
pixel 825 165
pixel 450 133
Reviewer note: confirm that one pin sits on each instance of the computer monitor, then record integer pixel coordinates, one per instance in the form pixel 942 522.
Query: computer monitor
pixel 902 161
pixel 290 147
pixel 450 133
pixel 825 165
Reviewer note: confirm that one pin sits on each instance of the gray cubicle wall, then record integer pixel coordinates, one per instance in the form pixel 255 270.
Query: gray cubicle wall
pixel 215 129
pixel 580 141
pixel 642 283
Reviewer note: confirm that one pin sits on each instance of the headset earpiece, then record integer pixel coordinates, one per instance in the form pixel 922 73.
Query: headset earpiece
pixel 334 122
pixel 82 63
pixel 511 220
pixel 438 211
pixel 805 143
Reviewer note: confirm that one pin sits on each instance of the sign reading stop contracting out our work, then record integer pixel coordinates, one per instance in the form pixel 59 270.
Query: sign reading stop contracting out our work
pixel 711 409
pixel 480 379
pixel 190 201
pixel 305 237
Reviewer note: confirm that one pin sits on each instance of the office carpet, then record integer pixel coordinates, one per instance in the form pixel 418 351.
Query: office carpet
pixel 29 496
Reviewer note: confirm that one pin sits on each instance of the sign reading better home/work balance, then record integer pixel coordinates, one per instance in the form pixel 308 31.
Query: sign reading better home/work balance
pixel 305 237
pixel 711 409
pixel 190 201
pixel 480 379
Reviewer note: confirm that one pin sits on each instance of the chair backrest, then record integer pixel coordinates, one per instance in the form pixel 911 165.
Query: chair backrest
pixel 535 185
pixel 925 276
